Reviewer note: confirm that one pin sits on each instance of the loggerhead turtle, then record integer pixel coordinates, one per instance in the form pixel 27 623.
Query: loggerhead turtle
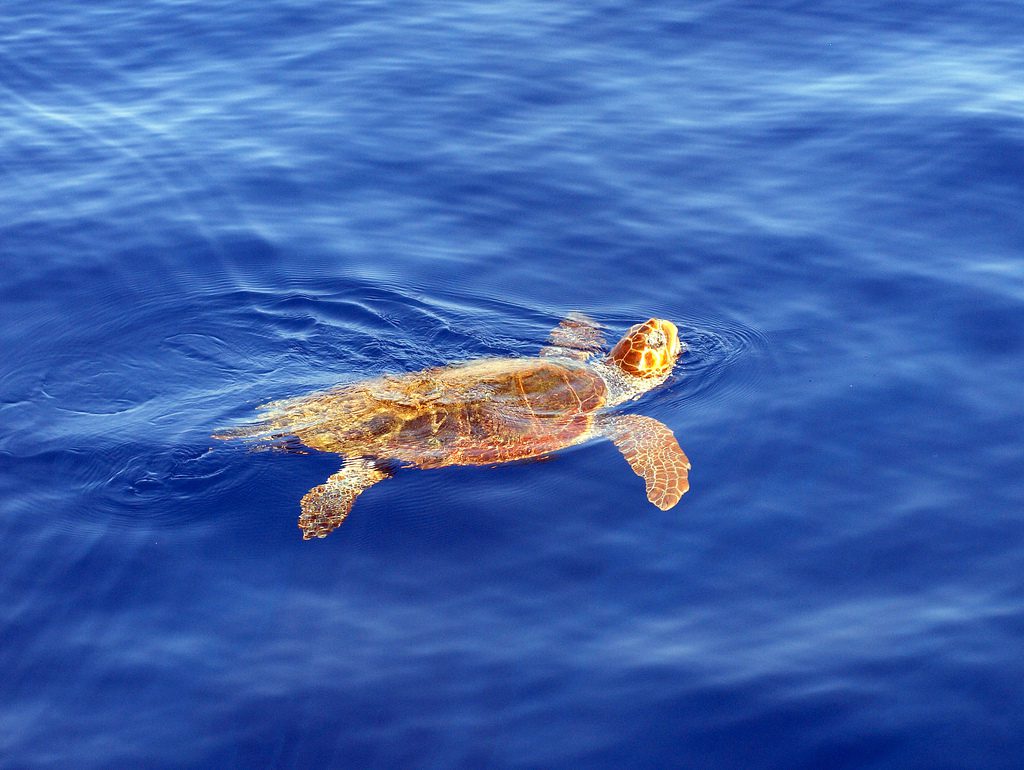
pixel 483 412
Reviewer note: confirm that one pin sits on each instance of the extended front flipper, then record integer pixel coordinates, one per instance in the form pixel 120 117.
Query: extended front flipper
pixel 577 336
pixel 653 453
pixel 325 507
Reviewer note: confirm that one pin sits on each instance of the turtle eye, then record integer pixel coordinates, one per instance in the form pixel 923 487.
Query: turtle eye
pixel 656 339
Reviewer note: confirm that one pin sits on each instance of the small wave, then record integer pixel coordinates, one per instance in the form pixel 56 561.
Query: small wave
pixel 723 358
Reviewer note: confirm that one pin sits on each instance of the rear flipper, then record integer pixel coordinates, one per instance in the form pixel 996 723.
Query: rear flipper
pixel 325 507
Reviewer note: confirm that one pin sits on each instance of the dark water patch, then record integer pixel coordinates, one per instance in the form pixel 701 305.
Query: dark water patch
pixel 991 328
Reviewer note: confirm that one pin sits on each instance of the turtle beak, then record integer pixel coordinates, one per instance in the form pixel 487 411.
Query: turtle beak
pixel 676 345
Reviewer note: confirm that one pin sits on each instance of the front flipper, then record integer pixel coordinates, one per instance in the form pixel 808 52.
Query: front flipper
pixel 325 507
pixel 577 336
pixel 653 453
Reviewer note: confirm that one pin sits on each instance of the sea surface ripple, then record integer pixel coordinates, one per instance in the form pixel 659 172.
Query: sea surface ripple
pixel 209 206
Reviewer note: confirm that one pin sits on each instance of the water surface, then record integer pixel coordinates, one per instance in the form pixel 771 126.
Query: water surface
pixel 205 208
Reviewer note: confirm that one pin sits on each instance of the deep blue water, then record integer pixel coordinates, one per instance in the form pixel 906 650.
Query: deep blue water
pixel 206 206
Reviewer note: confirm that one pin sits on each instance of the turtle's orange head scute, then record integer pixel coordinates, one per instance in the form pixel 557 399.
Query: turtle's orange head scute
pixel 648 350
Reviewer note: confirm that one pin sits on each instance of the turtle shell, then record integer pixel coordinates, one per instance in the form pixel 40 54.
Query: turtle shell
pixel 478 413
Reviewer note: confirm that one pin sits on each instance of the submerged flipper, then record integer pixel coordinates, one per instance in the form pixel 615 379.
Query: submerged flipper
pixel 577 336
pixel 653 453
pixel 325 507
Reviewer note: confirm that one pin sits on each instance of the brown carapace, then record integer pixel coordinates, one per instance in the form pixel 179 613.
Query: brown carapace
pixel 485 412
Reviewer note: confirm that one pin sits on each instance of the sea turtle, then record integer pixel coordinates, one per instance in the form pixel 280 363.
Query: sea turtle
pixel 483 412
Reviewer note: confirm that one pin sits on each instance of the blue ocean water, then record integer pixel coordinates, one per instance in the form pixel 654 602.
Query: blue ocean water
pixel 207 206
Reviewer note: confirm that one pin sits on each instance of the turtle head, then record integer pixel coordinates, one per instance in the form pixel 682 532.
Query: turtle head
pixel 649 350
